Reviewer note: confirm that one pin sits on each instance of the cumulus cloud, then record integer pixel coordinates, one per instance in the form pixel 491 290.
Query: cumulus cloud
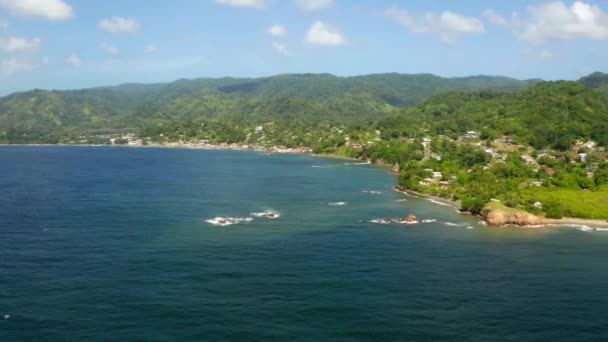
pixel 109 49
pixel 557 21
pixel 448 25
pixel 17 44
pixel 321 35
pixel 55 10
pixel 314 5
pixel 277 30
pixel 14 65
pixel 495 19
pixel 73 60
pixel 151 49
pixel 118 25
pixel 243 3
pixel 280 49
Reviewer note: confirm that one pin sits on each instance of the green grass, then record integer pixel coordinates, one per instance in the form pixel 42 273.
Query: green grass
pixel 574 203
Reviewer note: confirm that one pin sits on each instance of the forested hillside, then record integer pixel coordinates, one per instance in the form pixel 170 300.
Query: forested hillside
pixel 305 97
pixel 545 115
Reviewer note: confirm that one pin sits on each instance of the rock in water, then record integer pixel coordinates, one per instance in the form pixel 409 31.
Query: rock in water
pixel 410 218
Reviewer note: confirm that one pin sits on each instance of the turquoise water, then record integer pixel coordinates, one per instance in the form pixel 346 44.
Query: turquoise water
pixel 112 244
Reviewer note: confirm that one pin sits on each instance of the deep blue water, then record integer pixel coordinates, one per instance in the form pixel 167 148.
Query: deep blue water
pixel 112 244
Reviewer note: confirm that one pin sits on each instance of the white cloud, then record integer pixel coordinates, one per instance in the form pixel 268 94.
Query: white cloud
pixel 109 49
pixel 556 21
pixel 313 5
pixel 14 65
pixel 448 25
pixel 17 44
pixel 54 10
pixel 277 30
pixel 73 60
pixel 243 3
pixel 321 35
pixel 280 49
pixel 117 25
pixel 151 49
pixel 546 55
pixel 493 18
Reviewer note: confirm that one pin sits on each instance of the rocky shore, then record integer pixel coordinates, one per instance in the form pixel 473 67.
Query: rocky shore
pixel 499 215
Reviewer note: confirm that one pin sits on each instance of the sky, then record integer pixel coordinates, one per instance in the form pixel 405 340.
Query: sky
pixel 72 44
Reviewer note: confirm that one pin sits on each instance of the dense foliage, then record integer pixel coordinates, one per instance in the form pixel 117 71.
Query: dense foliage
pixel 545 115
pixel 306 97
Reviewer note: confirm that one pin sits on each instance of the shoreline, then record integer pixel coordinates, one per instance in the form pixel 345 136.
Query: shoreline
pixel 566 221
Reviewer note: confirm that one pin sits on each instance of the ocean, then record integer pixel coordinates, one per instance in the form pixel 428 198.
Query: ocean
pixel 104 243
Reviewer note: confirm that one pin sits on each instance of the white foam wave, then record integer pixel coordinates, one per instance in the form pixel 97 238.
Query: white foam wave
pixel 337 204
pixel 269 214
pixel 227 221
pixel 438 202
pixel 372 192
pixel 452 224
pixel 585 228
pixel 380 221
pixel 429 221
pixel 401 200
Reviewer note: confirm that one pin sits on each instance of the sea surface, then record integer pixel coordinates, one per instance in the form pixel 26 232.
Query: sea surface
pixel 103 243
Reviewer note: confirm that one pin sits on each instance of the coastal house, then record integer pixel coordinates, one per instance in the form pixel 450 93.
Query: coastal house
pixel 507 139
pixel 582 157
pixel 437 175
pixel 471 134
pixel 528 159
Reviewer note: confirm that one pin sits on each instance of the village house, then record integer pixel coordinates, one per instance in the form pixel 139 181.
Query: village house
pixel 507 139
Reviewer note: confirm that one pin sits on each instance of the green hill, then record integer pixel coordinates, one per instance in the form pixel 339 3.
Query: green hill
pixel 324 96
pixel 548 114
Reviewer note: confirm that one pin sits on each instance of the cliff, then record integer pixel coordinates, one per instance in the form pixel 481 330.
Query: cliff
pixel 497 214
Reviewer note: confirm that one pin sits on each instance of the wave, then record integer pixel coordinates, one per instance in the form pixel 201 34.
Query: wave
pixel 585 228
pixel 401 200
pixel 362 163
pixel 452 224
pixel 227 221
pixel 337 204
pixel 269 214
pixel 371 192
pixel 381 221
pixel 438 202
pixel 401 221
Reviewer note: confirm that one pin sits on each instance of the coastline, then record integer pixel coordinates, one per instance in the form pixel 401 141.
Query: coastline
pixel 566 221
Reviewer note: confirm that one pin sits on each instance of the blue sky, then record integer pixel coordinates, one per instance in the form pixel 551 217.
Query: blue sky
pixel 67 44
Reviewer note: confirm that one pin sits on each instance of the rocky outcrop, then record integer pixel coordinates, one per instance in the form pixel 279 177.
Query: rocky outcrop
pixel 499 215
pixel 411 218
pixel 396 168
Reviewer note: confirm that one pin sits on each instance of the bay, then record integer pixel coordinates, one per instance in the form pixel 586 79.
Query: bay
pixel 103 243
